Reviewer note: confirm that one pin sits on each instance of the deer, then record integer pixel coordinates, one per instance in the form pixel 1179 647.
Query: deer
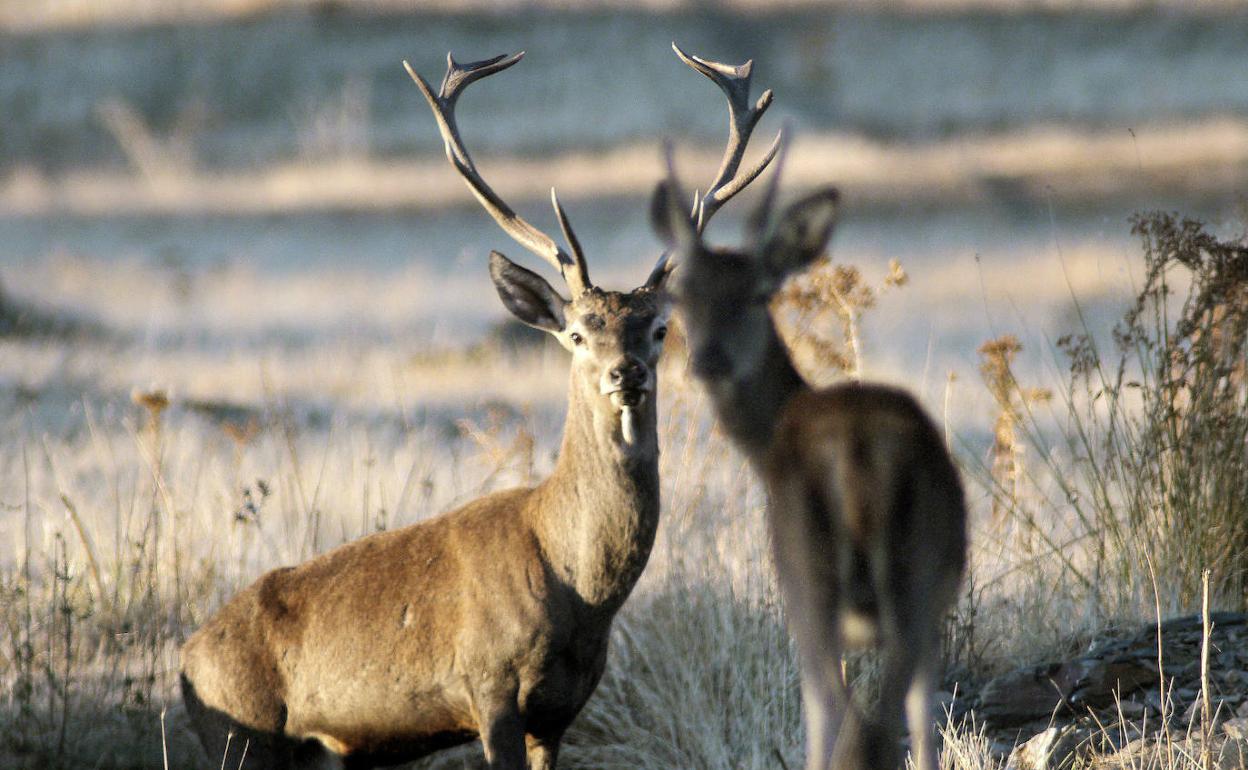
pixel 490 622
pixel 865 509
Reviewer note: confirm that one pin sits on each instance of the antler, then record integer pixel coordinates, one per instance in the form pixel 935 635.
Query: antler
pixel 571 266
pixel 735 83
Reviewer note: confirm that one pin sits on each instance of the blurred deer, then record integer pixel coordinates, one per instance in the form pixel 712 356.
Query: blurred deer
pixel 490 621
pixel 866 511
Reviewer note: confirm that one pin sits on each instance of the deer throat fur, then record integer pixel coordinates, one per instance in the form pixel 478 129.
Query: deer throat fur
pixel 607 491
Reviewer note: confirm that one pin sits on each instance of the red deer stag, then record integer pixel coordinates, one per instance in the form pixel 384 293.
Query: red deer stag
pixel 865 509
pixel 490 621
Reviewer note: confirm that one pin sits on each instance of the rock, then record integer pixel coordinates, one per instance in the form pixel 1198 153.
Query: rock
pixel 1191 715
pixel 1099 682
pixel 1234 755
pixel 1023 694
pixel 1195 712
pixel 1116 736
pixel 1052 749
pixel 945 706
pixel 1105 703
pixel 1194 623
pixel 1154 701
pixel 1001 748
pixel 1135 747
pixel 1236 728
pixel 1225 754
pixel 1130 709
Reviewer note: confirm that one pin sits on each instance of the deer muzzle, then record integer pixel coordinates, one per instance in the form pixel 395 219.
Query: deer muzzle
pixel 627 384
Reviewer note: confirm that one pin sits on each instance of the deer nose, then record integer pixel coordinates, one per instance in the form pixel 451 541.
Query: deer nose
pixel 711 363
pixel 629 374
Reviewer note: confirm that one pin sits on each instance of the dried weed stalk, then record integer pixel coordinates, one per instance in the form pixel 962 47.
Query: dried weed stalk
pixel 1014 403
pixel 820 313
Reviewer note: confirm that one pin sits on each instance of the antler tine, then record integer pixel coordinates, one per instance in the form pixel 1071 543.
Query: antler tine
pixel 756 225
pixel 458 77
pixel 578 256
pixel 735 83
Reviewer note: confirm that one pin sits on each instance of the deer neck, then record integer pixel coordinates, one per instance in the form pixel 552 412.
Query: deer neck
pixel 599 509
pixel 749 404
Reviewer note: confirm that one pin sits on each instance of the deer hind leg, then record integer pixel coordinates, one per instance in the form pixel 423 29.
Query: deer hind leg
pixel 824 706
pixel 910 622
pixel 882 730
pixel 806 562
pixel 923 744
pixel 903 644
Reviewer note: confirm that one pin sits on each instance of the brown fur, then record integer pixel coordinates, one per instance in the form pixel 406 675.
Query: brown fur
pixel 490 621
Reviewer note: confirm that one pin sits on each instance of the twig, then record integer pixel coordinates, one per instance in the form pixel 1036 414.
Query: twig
pixel 1206 712
pixel 164 743
pixel 1161 670
pixel 87 545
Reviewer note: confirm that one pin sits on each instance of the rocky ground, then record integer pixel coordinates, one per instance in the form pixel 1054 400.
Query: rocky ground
pixel 1126 702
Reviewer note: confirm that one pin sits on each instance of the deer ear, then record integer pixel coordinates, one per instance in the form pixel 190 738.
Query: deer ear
pixel 671 221
pixel 527 295
pixel 657 280
pixel 801 233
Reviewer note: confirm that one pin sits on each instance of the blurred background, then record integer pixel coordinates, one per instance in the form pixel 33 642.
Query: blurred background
pixel 245 316
pixel 238 149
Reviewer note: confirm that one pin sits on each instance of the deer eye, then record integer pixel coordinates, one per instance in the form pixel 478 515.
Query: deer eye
pixel 660 333
pixel 576 338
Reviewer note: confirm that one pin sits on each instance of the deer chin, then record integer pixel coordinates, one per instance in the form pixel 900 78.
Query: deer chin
pixel 628 402
pixel 628 398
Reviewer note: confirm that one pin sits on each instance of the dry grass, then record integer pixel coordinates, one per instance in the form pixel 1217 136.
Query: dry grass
pixel 1145 455
pixel 130 515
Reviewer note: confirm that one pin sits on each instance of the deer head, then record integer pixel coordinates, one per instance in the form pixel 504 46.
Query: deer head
pixel 615 337
pixel 725 293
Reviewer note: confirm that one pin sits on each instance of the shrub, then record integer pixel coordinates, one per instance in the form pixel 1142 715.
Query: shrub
pixel 1152 457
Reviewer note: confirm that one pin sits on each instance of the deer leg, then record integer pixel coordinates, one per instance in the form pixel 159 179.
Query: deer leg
pixel 502 731
pixel 881 732
pixel 251 752
pixel 543 752
pixel 823 710
pixel 800 519
pixel 825 698
pixel 231 744
pixel 919 711
pixel 312 755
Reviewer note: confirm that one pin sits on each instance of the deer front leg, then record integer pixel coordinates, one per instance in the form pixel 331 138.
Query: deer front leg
pixel 501 730
pixel 543 752
pixel 314 756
